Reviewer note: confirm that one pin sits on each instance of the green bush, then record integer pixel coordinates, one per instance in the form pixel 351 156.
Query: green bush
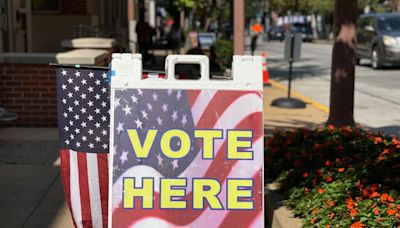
pixel 330 177
pixel 223 53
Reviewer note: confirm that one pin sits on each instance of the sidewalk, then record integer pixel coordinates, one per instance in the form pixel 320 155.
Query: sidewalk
pixel 31 192
pixel 278 118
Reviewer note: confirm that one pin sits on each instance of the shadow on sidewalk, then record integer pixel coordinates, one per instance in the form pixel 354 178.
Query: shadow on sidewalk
pixel 31 192
pixel 299 72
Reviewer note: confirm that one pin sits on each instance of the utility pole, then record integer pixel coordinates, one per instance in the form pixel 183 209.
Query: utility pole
pixel 238 27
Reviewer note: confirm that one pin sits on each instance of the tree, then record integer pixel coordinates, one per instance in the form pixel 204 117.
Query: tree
pixel 343 64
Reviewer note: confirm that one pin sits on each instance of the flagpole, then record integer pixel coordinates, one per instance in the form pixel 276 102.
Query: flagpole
pixel 79 66
pixel 96 67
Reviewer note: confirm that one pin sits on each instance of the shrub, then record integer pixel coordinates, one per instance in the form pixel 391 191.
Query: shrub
pixel 223 53
pixel 345 177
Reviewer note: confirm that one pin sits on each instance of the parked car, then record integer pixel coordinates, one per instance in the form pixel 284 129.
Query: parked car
pixel 276 33
pixel 378 39
pixel 305 30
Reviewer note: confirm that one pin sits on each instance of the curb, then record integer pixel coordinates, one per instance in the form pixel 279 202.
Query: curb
pixel 296 94
pixel 277 215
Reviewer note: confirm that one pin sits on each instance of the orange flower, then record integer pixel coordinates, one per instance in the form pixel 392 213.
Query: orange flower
pixel 376 211
pixel 341 170
pixel 353 212
pixel 357 225
pixel 384 197
pixel 365 193
pixel 350 204
pixel 314 182
pixel 328 226
pixel 305 175
pixel 390 199
pixel 331 215
pixel 331 127
pixel 385 151
pixel 379 220
pixel 328 163
pixel 328 179
pixel 391 212
pixel 318 172
pixel 375 194
pixel 320 190
pixel 378 139
pixel 312 221
pixel 392 205
pixel 374 187
pixel 315 211
pixel 332 203
pixel 317 146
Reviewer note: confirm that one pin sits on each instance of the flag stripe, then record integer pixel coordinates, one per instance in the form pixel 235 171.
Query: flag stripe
pixel 228 118
pixel 217 106
pixel 94 190
pixel 249 168
pixel 246 217
pixel 84 187
pixel 192 96
pixel 65 177
pixel 125 218
pixel 102 160
pixel 201 104
pixel 75 194
pixel 258 221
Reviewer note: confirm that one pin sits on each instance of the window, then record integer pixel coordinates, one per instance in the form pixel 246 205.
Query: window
pixel 45 5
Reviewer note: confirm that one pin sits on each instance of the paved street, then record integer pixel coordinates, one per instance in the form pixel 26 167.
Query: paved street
pixel 377 103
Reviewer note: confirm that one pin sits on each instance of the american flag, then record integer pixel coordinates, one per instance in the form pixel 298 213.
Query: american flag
pixel 165 109
pixel 83 120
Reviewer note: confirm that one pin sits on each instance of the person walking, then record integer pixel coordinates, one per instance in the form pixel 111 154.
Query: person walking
pixel 256 30
pixel 145 37
pixel 174 38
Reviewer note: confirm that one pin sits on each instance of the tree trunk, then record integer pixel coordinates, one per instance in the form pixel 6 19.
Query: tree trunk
pixel 343 64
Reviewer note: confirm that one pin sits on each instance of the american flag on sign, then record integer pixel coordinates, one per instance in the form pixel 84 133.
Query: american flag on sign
pixel 163 109
pixel 83 120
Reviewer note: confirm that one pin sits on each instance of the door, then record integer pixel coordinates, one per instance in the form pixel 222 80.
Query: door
pixel 4 31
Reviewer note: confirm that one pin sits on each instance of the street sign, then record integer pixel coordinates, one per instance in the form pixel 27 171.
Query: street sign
pixel 186 152
pixel 297 41
pixel 292 54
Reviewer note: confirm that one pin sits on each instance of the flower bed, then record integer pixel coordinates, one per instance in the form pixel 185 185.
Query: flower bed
pixel 331 177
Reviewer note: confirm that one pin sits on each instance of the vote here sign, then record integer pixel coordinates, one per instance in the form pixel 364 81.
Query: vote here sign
pixel 190 158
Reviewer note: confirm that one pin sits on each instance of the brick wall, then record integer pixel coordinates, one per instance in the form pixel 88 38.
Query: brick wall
pixel 73 6
pixel 30 91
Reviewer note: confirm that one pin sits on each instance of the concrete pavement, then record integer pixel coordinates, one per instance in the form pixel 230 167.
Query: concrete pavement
pixel 277 118
pixel 31 193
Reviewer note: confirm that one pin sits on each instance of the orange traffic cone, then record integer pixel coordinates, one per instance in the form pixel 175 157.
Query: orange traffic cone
pixel 265 69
